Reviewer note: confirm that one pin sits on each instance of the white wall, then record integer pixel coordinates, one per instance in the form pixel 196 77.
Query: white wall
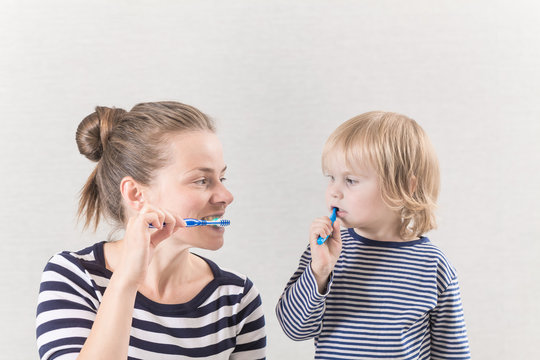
pixel 279 76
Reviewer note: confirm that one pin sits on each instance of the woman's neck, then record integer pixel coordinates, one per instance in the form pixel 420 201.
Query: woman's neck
pixel 174 274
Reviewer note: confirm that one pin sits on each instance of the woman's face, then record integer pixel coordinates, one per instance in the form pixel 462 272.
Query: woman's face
pixel 191 186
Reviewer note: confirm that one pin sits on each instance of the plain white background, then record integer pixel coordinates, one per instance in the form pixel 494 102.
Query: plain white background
pixel 278 77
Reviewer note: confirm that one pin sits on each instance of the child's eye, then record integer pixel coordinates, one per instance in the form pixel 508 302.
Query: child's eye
pixel 330 177
pixel 351 181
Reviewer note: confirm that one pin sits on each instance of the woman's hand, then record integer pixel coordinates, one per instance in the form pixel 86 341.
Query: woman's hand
pixel 324 257
pixel 140 241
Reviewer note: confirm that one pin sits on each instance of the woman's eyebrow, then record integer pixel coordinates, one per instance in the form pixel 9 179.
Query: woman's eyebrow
pixel 206 170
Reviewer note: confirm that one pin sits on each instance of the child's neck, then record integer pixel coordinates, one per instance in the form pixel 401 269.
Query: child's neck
pixel 383 233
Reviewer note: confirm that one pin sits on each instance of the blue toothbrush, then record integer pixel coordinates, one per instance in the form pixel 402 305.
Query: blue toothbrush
pixel 195 222
pixel 320 240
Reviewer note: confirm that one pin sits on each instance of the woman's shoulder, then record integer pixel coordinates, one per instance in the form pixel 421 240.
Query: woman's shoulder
pixel 223 273
pixel 227 277
pixel 74 275
pixel 80 263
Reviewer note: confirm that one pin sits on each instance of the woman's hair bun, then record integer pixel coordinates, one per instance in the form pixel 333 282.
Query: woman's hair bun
pixel 93 132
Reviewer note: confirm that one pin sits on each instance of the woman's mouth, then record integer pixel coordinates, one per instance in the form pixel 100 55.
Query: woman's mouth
pixel 216 228
pixel 211 217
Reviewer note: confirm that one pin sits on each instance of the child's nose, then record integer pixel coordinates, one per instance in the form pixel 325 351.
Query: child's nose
pixel 335 191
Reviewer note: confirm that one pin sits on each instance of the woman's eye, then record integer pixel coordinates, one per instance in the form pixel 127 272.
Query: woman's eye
pixel 223 179
pixel 203 181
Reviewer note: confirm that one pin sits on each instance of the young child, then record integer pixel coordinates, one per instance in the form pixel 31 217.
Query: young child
pixel 379 288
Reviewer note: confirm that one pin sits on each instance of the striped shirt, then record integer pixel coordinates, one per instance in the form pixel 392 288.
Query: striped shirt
pixel 224 321
pixel 384 300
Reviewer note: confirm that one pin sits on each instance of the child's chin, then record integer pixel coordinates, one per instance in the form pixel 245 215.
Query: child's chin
pixel 344 223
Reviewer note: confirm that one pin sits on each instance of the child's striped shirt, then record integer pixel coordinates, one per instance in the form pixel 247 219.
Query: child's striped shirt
pixel 384 300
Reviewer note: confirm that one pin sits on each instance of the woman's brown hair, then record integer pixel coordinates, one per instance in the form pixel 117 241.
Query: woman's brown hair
pixel 128 143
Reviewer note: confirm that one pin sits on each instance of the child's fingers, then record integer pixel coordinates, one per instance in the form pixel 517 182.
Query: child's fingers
pixel 335 239
pixel 320 227
pixel 322 231
pixel 322 223
pixel 336 232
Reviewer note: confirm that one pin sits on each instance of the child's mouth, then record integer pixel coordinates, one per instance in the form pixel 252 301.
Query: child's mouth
pixel 340 212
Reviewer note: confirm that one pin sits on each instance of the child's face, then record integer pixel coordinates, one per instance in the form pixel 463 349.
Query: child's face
pixel 356 193
pixel 191 187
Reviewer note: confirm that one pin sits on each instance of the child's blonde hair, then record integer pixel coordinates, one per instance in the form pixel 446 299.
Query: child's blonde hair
pixel 400 152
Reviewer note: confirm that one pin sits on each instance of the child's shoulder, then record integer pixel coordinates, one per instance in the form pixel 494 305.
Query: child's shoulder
pixel 433 251
pixel 421 250
pixel 446 273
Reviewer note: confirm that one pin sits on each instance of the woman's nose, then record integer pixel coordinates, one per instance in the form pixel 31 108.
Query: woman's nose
pixel 222 195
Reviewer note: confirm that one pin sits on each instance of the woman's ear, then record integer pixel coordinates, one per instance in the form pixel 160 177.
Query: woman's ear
pixel 132 193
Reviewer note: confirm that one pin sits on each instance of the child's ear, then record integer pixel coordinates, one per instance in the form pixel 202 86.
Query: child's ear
pixel 132 193
pixel 413 182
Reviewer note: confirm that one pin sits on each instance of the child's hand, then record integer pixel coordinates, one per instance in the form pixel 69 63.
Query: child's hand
pixel 140 241
pixel 324 257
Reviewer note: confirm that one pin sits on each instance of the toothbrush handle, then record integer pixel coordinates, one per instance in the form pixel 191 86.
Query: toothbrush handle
pixel 321 240
pixel 194 222
pixel 189 223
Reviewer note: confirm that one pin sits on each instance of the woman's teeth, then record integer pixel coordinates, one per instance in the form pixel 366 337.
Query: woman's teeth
pixel 210 218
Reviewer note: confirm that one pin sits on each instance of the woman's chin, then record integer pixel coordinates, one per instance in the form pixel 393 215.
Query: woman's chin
pixel 207 239
pixel 207 244
pixel 213 245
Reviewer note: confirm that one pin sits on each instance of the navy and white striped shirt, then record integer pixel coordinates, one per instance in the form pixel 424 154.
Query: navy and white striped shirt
pixel 384 300
pixel 224 321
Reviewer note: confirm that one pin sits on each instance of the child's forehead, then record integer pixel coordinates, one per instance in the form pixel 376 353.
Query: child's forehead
pixel 341 161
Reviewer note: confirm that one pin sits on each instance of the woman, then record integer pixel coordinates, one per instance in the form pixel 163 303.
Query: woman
pixel 156 165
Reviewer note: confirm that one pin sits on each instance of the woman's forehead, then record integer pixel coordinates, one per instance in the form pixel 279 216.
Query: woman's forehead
pixel 196 150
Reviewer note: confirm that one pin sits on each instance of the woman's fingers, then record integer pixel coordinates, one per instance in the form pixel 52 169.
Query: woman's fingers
pixel 180 223
pixel 171 224
pixel 152 216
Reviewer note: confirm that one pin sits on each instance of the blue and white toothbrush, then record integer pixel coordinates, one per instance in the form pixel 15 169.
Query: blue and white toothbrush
pixel 195 222
pixel 321 240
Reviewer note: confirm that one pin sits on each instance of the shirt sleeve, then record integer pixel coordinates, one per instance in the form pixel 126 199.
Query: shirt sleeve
pixel 66 310
pixel 448 332
pixel 301 307
pixel 251 338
